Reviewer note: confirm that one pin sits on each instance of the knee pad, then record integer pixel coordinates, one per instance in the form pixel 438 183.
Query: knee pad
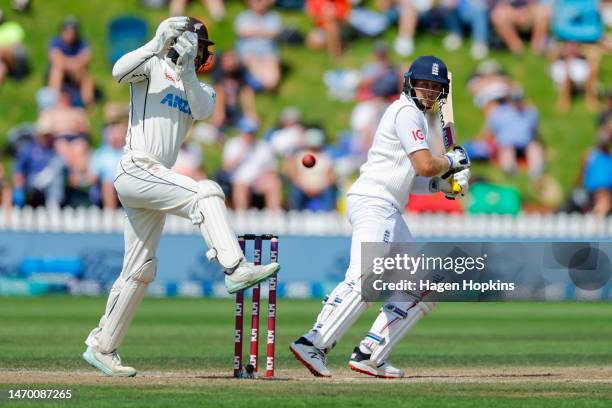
pixel 210 214
pixel 209 188
pixel 146 273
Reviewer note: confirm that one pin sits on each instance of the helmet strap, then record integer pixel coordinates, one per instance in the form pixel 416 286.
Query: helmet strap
pixel 410 92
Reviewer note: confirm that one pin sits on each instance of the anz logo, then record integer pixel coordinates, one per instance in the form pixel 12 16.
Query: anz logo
pixel 176 102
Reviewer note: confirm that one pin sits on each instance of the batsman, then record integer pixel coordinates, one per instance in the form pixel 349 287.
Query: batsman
pixel 404 158
pixel 166 97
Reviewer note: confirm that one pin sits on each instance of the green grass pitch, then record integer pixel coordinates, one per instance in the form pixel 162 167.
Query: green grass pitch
pixel 462 355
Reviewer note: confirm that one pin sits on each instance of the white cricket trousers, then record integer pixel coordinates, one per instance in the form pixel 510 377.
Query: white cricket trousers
pixel 373 220
pixel 148 191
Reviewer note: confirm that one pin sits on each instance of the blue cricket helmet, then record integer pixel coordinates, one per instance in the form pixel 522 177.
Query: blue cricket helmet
pixel 427 68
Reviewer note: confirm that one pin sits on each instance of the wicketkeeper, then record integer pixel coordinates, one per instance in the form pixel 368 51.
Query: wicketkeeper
pixel 166 98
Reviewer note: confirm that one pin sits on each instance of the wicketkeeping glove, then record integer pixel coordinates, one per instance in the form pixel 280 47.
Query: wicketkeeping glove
pixel 186 47
pixel 444 184
pixel 167 31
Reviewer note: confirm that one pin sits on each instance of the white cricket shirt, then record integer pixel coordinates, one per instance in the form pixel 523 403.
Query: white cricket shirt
pixel 160 112
pixel 388 172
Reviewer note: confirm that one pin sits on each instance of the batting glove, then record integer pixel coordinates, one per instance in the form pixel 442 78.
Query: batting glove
pixel 186 47
pixel 458 159
pixel 167 31
pixel 444 184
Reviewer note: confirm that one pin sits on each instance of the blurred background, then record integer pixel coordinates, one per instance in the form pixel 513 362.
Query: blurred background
pixel 533 105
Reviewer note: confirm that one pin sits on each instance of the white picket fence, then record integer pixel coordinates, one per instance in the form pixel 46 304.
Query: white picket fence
pixel 436 225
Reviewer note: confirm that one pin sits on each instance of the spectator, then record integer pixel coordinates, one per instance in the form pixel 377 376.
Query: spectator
pixel 13 59
pixel 514 127
pixel 606 114
pixel 575 63
pixel 69 57
pixel 249 166
pixel 70 126
pixel 235 97
pixel 104 161
pixel 257 29
pixel 596 174
pixel 474 13
pixel 189 161
pixel 489 85
pixel 381 69
pixel 329 16
pixel 312 188
pixel 215 8
pixel 366 116
pixel 511 16
pixel 409 12
pixel 39 171
pixel 572 71
pixel 289 135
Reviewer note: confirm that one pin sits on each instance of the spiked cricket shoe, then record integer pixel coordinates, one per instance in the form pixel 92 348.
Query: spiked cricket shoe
pixel 361 363
pixel 247 274
pixel 311 357
pixel 108 363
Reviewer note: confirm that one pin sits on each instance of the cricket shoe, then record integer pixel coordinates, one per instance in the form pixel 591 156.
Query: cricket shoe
pixel 108 363
pixel 311 357
pixel 247 274
pixel 361 363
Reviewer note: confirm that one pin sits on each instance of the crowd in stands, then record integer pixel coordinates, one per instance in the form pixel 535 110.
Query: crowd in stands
pixel 56 163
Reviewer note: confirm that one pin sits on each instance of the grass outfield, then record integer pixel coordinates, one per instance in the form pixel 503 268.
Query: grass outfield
pixel 520 354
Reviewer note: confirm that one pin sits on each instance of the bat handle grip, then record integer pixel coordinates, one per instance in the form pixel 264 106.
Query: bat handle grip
pixel 455 187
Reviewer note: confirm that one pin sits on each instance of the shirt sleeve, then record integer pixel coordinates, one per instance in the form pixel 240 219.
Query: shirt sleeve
pixel 54 43
pixel 134 66
pixel 411 130
pixel 83 46
pixel 201 97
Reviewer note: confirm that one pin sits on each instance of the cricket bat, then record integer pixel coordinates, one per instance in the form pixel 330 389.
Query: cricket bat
pixel 447 118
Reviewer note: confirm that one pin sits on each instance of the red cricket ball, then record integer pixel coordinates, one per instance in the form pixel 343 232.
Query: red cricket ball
pixel 308 160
